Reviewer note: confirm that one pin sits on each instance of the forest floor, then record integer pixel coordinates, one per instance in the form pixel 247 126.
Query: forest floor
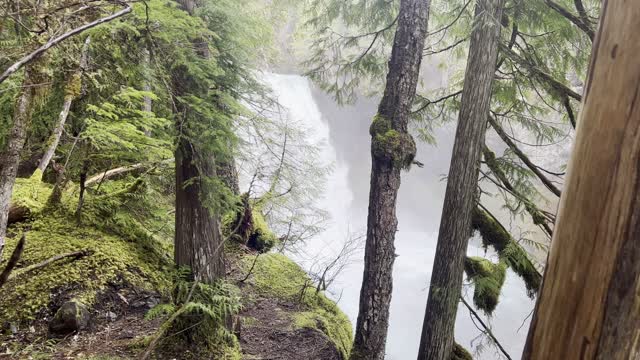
pixel 128 270
pixel 268 330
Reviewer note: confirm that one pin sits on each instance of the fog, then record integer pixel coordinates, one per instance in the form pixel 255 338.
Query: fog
pixel 345 132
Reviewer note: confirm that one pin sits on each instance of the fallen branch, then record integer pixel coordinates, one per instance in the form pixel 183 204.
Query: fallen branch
pixel 121 170
pixel 55 41
pixel 76 255
pixel 13 261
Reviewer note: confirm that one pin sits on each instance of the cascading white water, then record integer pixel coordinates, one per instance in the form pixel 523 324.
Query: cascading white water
pixel 419 207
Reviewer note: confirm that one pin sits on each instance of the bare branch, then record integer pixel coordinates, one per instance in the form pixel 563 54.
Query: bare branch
pixel 55 41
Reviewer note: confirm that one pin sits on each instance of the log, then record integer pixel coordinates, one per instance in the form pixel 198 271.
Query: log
pixel 18 213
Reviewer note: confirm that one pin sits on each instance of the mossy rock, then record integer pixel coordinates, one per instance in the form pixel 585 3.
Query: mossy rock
pixel 72 316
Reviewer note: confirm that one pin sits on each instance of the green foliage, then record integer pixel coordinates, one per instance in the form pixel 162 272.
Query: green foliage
pixel 199 314
pixel 117 130
pixel 275 275
pixel 488 279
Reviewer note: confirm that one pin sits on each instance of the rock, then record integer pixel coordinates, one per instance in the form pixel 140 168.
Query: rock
pixel 71 317
pixel 111 316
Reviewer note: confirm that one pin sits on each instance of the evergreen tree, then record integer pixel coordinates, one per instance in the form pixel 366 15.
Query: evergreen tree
pixel 460 197
pixel 392 149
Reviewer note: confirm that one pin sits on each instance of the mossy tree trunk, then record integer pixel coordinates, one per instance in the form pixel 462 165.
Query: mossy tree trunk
pixel 446 279
pixel 589 304
pixel 392 148
pixel 72 91
pixel 198 237
pixel 10 157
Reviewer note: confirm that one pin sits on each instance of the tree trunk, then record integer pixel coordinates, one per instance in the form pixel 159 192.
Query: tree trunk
pixel 198 242
pixel 72 90
pixel 588 306
pixel 147 106
pixel 10 157
pixel 392 148
pixel 453 237
pixel 198 237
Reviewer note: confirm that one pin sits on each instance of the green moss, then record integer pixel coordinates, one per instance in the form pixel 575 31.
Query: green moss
pixel 388 144
pixel 488 279
pixel 275 275
pixel 460 353
pixel 509 251
pixel 31 193
pixel 114 260
pixel 262 238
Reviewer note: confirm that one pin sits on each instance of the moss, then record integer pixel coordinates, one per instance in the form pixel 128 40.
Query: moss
pixel 275 275
pixel 488 279
pixel 74 86
pixel 510 252
pixel 390 145
pixel 31 193
pixel 114 259
pixel 460 353
pixel 262 238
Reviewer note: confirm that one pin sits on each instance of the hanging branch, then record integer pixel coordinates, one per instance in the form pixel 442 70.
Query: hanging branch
pixel 581 22
pixel 525 159
pixel 536 216
pixel 534 70
pixel 486 328
pixel 55 41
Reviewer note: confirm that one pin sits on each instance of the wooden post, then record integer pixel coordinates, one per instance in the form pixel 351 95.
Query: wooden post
pixel 589 307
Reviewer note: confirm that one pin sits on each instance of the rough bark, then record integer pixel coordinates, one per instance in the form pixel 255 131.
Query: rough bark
pixel 198 242
pixel 10 157
pixel 589 306
pixel 446 279
pixel 72 90
pixel 229 175
pixel 392 148
pixel 198 237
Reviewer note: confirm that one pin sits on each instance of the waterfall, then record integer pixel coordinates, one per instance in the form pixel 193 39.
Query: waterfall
pixel 342 133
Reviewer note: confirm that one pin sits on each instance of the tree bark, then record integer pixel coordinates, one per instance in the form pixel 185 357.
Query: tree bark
pixel 72 90
pixel 392 148
pixel 589 305
pixel 198 237
pixel 10 157
pixel 446 279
